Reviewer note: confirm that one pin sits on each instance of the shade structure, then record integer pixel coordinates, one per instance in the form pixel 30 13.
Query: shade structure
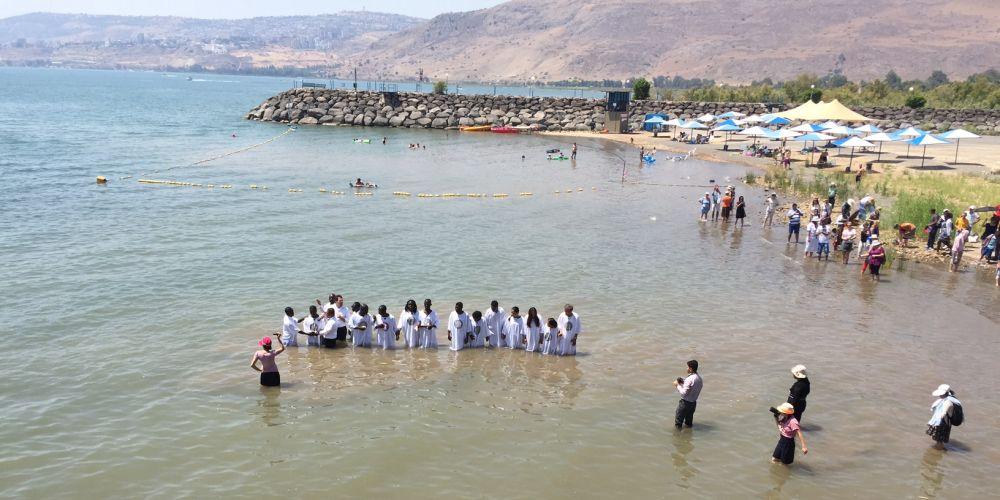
pixel 674 122
pixel 827 125
pixel 908 133
pixel 812 137
pixel 732 114
pixel 879 137
pixel 726 122
pixel 753 119
pixel 754 132
pixel 853 142
pixel 957 135
pixel 727 128
pixel 832 110
pixel 693 124
pixel 705 118
pixel 839 130
pixel 806 128
pixel 926 140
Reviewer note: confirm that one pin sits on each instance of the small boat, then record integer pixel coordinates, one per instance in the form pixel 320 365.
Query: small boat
pixel 506 129
pixel 477 128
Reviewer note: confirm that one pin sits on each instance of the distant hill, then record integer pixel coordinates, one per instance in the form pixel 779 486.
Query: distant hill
pixel 225 45
pixel 724 40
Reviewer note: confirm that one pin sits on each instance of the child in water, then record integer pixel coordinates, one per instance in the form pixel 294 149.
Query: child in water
pixel 268 369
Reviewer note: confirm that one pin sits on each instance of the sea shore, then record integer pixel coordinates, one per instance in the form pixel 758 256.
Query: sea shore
pixel 977 158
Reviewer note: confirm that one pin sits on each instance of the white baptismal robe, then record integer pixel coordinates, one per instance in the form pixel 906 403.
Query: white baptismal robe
pixel 458 329
pixel 361 330
pixel 494 326
pixel 428 329
pixel 534 333
pixel 515 331
pixel 408 324
pixel 570 328
pixel 478 333
pixel 385 328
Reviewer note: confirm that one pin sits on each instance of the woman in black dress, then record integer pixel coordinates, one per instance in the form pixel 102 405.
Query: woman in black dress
pixel 800 389
pixel 741 212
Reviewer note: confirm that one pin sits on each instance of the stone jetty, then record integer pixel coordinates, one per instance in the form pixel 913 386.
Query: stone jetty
pixel 312 106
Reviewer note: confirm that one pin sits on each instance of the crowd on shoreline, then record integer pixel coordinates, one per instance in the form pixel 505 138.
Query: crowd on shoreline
pixel 856 228
pixel 354 326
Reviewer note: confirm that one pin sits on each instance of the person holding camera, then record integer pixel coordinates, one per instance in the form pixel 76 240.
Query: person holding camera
pixel 689 389
pixel 788 430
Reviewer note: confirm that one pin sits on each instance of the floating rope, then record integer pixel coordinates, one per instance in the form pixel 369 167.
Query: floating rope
pixel 248 148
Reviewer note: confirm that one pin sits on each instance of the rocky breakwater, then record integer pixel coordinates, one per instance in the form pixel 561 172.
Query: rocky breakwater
pixel 310 106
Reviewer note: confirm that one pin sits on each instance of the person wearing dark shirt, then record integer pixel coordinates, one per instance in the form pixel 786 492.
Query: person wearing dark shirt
pixel 800 389
pixel 932 229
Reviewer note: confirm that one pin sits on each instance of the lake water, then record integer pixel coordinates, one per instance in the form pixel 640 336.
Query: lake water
pixel 131 312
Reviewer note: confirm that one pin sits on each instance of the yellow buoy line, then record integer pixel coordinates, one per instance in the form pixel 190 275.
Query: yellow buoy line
pixel 404 194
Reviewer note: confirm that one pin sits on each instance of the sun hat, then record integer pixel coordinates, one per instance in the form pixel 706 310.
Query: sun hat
pixel 264 341
pixel 876 243
pixel 941 390
pixel 799 371
pixel 786 408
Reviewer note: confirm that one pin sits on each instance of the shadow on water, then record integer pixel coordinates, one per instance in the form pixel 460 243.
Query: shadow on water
pixel 931 476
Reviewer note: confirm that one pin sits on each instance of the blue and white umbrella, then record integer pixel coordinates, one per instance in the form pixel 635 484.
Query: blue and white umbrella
pixel 905 134
pixel 958 134
pixel 807 128
pixel 812 137
pixel 868 129
pixel 776 120
pixel 926 140
pixel 732 114
pixel 879 137
pixel 853 142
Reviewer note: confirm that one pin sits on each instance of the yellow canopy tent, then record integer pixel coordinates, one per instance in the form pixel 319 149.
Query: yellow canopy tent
pixel 816 111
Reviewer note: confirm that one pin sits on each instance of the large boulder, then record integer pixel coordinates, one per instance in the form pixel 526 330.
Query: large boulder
pixel 397 120
pixel 439 123
pixel 308 121
pixel 325 119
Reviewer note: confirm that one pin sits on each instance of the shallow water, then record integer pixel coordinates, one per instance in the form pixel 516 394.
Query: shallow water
pixel 133 311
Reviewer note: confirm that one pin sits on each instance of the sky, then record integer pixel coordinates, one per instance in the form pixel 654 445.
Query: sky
pixel 238 8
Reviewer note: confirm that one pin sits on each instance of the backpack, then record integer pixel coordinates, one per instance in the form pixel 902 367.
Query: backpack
pixel 957 415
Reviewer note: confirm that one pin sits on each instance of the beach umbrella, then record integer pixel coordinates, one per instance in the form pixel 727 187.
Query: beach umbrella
pixel 674 122
pixel 926 140
pixel 853 142
pixel 753 119
pixel 807 128
pixel 838 130
pixel 776 120
pixel 828 125
pixel 656 120
pixel 868 129
pixel 958 134
pixel 786 133
pixel 728 128
pixel 705 118
pixel 693 124
pixel 731 114
pixel 725 122
pixel 879 137
pixel 812 137
pixel 908 133
pixel 755 132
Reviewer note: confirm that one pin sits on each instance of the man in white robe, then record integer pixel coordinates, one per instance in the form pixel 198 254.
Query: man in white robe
pixel 289 328
pixel 495 319
pixel 385 325
pixel 428 326
pixel 477 336
pixel 514 332
pixel 458 328
pixel 310 327
pixel 359 326
pixel 569 330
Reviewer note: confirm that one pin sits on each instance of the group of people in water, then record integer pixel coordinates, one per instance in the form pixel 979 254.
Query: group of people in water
pixel 354 326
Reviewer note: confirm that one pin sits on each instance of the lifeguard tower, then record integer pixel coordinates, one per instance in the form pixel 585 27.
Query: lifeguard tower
pixel 616 111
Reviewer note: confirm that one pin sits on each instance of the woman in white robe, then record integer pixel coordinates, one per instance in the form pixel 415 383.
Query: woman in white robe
pixel 478 332
pixel 409 321
pixel 569 330
pixel 495 318
pixel 550 338
pixel 533 327
pixel 385 328
pixel 458 328
pixel 428 326
pixel 360 325
pixel 514 332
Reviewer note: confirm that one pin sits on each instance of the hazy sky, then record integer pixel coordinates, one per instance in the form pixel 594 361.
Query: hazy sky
pixel 238 8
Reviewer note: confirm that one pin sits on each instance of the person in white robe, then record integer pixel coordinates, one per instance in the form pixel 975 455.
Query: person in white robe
pixel 550 338
pixel 289 329
pixel 332 302
pixel 569 330
pixel 533 326
pixel 360 326
pixel 311 326
pixel 385 328
pixel 458 328
pixel 477 335
pixel 514 332
pixel 495 318
pixel 428 326
pixel 409 321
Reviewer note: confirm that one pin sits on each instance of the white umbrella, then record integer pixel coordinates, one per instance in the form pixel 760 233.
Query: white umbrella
pixel 854 142
pixel 707 117
pixel 693 124
pixel 958 134
pixel 829 125
pixel 868 129
pixel 807 128
pixel 753 119
pixel 839 130
pixel 926 140
pixel 755 132
pixel 909 133
pixel 879 137
pixel 788 133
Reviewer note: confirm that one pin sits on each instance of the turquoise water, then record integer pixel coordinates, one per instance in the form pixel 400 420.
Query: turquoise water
pixel 132 311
